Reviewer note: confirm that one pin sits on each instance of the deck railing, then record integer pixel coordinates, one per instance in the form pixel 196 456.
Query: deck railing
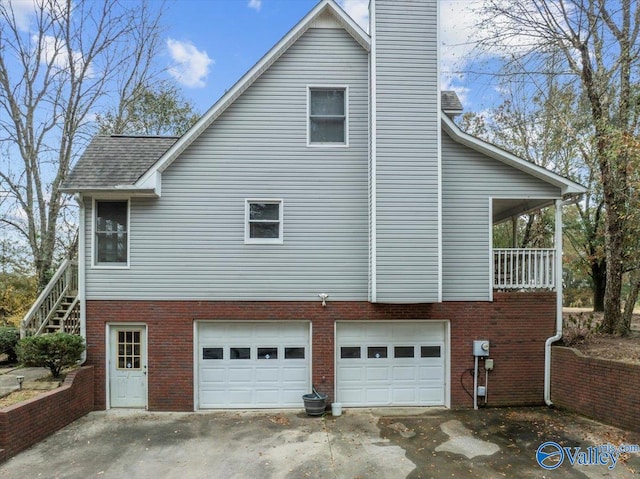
pixel 63 285
pixel 522 268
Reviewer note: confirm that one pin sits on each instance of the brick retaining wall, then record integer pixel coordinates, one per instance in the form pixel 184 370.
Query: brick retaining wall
pixel 601 389
pixel 26 423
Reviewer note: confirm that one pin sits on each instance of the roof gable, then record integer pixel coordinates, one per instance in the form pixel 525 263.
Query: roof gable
pixel 320 17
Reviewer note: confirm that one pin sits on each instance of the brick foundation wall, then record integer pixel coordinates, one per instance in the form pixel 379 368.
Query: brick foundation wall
pixel 598 388
pixel 517 324
pixel 26 423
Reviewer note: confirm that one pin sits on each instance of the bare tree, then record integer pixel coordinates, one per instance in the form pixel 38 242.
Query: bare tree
pixel 598 43
pixel 61 62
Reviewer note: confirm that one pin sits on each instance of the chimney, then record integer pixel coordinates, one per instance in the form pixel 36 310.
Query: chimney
pixel 405 152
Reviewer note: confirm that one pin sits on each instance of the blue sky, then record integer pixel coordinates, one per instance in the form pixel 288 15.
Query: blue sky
pixel 210 44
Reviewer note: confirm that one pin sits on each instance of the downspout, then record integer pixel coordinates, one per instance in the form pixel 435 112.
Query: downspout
pixel 558 335
pixel 81 273
pixel 373 131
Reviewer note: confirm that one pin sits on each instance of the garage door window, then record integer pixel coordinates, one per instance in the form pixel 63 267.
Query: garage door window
pixel 212 353
pixel 240 353
pixel 403 352
pixel 430 351
pixel 267 353
pixel 294 353
pixel 349 352
pixel 376 352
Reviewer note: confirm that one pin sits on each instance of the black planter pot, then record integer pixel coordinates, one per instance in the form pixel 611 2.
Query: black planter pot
pixel 315 405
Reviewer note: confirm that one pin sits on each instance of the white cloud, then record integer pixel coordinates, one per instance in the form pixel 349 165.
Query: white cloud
pixel 358 10
pixel 54 52
pixel 191 66
pixel 24 10
pixel 255 4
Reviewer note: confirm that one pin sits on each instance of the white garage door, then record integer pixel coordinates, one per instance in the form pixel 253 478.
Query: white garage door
pixel 252 365
pixel 391 363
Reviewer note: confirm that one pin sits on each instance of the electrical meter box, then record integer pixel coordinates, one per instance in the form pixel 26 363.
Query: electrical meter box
pixel 481 348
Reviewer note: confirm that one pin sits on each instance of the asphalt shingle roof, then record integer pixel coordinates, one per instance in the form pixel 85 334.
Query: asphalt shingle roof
pixel 116 160
pixel 449 101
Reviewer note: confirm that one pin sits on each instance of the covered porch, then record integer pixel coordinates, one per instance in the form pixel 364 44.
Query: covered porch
pixel 514 267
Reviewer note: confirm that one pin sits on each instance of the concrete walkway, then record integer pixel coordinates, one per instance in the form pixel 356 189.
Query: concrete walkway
pixel 9 378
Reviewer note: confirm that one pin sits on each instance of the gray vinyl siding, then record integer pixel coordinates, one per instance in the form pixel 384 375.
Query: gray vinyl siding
pixel 469 180
pixel 189 244
pixel 407 152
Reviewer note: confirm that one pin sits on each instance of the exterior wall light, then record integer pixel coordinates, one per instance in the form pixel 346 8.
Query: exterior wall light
pixel 323 297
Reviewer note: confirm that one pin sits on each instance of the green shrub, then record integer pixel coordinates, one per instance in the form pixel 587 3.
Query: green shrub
pixel 53 351
pixel 9 337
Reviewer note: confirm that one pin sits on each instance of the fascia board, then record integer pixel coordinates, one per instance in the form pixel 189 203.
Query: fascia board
pixel 251 76
pixel 566 186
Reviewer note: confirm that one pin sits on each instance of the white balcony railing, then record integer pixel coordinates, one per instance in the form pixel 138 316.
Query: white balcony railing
pixel 515 268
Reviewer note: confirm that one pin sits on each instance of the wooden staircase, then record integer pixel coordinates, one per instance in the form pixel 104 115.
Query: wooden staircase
pixel 58 306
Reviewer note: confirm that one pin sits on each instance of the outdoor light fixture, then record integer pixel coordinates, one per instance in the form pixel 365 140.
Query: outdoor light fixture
pixel 323 297
pixel 20 380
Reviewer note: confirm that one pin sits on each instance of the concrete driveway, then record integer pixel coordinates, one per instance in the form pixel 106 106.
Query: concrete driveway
pixel 362 443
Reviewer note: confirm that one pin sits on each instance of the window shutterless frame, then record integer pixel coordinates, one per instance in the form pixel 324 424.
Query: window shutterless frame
pixel 95 231
pixel 330 117
pixel 258 227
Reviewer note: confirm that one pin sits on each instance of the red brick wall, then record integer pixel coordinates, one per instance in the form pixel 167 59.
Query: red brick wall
pixel 598 388
pixel 517 324
pixel 28 422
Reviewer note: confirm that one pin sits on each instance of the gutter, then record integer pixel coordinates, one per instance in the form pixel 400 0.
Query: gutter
pixel 558 335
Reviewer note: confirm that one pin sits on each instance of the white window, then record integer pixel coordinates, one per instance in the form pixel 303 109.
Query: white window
pixel 111 233
pixel 328 125
pixel 263 221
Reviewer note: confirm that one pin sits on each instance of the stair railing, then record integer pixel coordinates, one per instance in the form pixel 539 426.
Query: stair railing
pixel 63 283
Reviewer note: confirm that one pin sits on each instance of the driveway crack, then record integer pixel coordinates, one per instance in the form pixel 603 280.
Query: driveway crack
pixel 333 463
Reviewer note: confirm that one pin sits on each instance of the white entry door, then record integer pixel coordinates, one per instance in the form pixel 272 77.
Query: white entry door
pixel 392 363
pixel 128 366
pixel 253 364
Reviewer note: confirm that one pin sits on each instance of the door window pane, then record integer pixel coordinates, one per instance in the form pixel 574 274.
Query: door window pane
pixel 429 351
pixel 128 347
pixel 376 352
pixel 239 353
pixel 212 353
pixel 350 352
pixel 267 353
pixel 294 353
pixel 403 351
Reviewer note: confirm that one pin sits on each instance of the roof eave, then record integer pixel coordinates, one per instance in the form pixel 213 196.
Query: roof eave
pixel 113 191
pixel 253 74
pixel 567 187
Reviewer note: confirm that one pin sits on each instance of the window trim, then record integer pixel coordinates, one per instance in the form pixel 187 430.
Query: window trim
pixel 247 227
pixel 94 222
pixel 345 144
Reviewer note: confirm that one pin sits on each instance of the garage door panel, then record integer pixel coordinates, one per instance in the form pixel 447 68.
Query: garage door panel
pixel 429 373
pixel 404 373
pixel 351 373
pixel 295 374
pixel 378 396
pixel 404 395
pixel 213 375
pixel 377 373
pixel 409 369
pixel 262 364
pixel 240 375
